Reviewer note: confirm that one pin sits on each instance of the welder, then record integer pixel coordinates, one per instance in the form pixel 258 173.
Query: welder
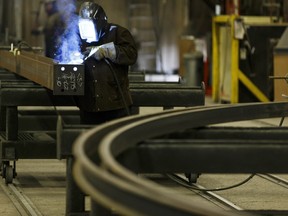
pixel 109 49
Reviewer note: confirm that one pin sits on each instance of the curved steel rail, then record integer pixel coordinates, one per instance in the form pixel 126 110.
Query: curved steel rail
pixel 112 185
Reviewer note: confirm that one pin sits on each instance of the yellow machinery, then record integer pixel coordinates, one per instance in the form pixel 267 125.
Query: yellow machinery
pixel 228 31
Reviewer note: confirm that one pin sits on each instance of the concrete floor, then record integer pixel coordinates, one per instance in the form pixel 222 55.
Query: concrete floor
pixel 43 182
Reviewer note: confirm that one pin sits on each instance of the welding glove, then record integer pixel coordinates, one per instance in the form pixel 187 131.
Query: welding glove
pixel 105 51
pixel 90 51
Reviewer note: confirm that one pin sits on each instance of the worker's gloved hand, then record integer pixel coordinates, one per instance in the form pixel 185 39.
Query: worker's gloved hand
pixel 106 51
pixel 89 51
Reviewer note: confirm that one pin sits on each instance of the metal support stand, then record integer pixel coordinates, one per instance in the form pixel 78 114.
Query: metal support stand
pixel 2 118
pixel 75 199
pixel 283 95
pixel 98 210
pixel 12 123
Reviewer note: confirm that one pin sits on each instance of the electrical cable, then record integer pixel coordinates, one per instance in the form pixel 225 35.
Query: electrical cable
pixel 184 183
pixel 19 46
pixel 118 85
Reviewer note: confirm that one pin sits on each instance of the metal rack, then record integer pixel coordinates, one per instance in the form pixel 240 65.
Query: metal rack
pixel 227 75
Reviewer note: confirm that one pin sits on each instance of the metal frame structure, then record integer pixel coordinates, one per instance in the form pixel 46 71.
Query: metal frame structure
pixel 26 93
pixel 166 95
pixel 18 91
pixel 109 157
pixel 14 144
pixel 231 59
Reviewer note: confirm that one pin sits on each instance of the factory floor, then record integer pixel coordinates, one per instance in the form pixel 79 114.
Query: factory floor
pixel 40 184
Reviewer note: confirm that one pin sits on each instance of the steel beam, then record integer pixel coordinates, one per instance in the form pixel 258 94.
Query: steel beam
pixel 63 79
pixel 209 156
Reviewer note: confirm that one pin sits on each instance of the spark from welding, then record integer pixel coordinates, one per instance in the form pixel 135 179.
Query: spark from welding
pixel 68 51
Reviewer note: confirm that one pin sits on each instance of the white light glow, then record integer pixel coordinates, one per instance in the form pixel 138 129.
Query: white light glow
pixel 87 30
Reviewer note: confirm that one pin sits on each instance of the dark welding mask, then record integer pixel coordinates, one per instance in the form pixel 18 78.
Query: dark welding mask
pixel 92 21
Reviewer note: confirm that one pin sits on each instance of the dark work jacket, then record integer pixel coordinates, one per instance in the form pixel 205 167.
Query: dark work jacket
pixel 101 90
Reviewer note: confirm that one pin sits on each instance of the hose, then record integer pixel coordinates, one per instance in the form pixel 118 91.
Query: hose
pixel 182 182
pixel 118 85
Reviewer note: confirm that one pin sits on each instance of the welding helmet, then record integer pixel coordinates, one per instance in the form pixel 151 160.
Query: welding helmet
pixel 92 21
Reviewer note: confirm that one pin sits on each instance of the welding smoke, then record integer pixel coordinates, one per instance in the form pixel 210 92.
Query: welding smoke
pixel 68 48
